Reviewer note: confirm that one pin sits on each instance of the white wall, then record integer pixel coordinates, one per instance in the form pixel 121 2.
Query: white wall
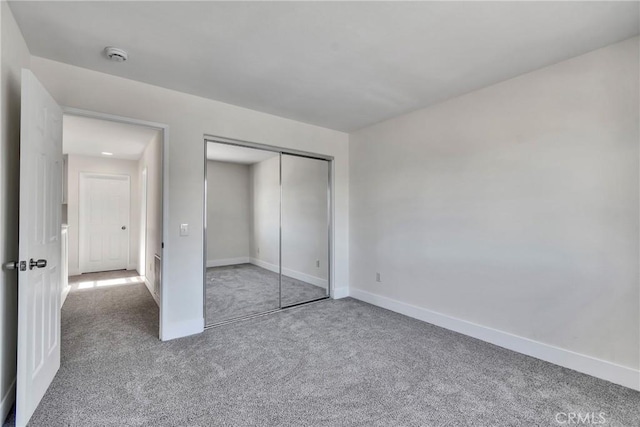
pixel 304 217
pixel 244 216
pixel 78 164
pixel 189 118
pixel 514 207
pixel 265 203
pixel 152 160
pixel 228 213
pixel 14 55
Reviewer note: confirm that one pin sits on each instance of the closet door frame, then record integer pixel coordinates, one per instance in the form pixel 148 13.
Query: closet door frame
pixel 280 150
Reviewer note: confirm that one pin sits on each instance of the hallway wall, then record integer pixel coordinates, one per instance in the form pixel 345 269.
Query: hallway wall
pixel 152 160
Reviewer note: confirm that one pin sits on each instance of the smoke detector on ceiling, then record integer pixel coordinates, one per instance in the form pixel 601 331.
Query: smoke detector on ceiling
pixel 115 54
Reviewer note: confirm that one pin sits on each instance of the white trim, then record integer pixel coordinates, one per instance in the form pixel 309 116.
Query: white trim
pixel 182 329
pixel 165 191
pixel 265 265
pixel 65 293
pixel 64 260
pixel 149 286
pixel 307 278
pixel 617 374
pixel 228 261
pixel 8 400
pixel 339 293
pixel 144 208
pixel 164 254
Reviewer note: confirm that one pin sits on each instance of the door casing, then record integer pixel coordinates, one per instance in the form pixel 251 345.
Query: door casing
pixel 164 129
pixel 142 261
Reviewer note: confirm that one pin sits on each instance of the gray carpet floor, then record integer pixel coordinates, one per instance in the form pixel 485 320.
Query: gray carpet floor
pixel 333 363
pixel 241 290
pixel 104 279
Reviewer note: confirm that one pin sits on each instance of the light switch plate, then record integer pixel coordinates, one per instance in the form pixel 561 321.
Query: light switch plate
pixel 184 229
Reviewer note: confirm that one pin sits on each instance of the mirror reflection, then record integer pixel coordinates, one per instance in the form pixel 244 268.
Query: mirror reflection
pixel 242 228
pixel 267 231
pixel 305 227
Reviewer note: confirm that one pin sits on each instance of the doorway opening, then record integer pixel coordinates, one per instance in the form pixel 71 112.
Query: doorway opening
pixel 49 198
pixel 112 211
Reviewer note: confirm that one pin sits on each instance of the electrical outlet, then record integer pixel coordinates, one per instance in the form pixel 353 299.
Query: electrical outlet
pixel 378 279
pixel 317 263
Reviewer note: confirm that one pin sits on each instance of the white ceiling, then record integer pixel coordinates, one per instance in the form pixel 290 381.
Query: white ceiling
pixel 90 137
pixel 335 64
pixel 235 154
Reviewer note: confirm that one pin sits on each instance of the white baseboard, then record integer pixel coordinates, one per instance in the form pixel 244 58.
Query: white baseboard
pixel 185 328
pixel 307 278
pixel 149 286
pixel 612 372
pixel 339 293
pixel 78 272
pixel 228 261
pixel 264 264
pixel 8 400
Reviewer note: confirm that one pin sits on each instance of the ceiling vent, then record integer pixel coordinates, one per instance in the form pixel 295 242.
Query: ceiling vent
pixel 115 54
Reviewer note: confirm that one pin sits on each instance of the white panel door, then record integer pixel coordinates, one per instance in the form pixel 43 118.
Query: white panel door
pixel 104 222
pixel 40 247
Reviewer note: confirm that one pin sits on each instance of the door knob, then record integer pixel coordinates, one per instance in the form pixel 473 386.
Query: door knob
pixel 124 227
pixel 16 265
pixel 41 263
pixel 13 265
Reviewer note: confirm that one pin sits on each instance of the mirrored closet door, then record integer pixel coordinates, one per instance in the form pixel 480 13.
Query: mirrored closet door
pixel 242 232
pixel 305 229
pixel 267 231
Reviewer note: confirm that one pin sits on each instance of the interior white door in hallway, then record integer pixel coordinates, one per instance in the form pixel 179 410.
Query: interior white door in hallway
pixel 104 222
pixel 39 292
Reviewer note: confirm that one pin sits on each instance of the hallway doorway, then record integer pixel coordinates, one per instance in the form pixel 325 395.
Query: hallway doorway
pixel 113 202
